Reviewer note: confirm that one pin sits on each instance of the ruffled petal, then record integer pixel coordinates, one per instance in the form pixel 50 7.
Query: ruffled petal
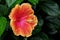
pixel 26 9
pixel 14 14
pixel 24 30
pixel 32 20
pixel 21 11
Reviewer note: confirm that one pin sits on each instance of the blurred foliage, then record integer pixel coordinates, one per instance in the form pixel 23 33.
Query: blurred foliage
pixel 47 12
pixel 34 2
pixel 12 3
pixel 3 23
pixel 41 36
pixel 51 8
pixel 3 10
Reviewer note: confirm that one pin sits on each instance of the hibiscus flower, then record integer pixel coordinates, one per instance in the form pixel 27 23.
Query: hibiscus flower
pixel 22 20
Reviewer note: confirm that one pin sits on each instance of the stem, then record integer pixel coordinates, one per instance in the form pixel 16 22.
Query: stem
pixel 25 38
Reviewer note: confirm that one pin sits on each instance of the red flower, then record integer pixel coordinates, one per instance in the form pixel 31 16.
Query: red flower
pixel 23 20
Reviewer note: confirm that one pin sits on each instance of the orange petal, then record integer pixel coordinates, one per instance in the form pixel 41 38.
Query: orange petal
pixel 32 20
pixel 21 11
pixel 15 12
pixel 26 9
pixel 24 30
pixel 14 28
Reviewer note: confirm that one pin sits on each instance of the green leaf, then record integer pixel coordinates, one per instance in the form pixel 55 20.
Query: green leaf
pixel 3 10
pixel 3 23
pixel 12 3
pixel 39 25
pixel 44 0
pixel 0 0
pixel 42 36
pixel 53 29
pixel 53 24
pixel 51 8
pixel 34 2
